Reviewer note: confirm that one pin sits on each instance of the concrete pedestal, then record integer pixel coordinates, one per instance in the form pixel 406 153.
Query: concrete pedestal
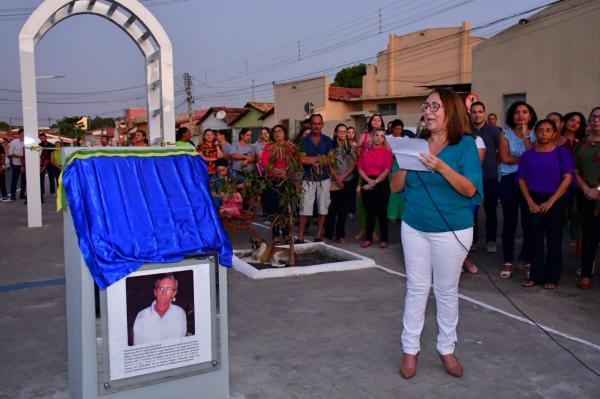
pixel 82 339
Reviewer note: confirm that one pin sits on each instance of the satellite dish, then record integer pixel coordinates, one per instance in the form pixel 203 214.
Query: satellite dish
pixel 221 115
pixel 309 108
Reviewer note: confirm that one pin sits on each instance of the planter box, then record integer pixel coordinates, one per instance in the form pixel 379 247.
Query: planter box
pixel 347 261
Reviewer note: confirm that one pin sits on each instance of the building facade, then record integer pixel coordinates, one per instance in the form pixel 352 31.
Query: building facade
pixel 251 118
pixel 410 66
pixel 296 101
pixel 551 60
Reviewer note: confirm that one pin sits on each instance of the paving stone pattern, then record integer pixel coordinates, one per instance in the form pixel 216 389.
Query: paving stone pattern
pixel 331 335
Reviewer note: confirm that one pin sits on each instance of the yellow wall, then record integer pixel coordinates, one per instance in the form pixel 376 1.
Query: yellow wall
pixel 427 57
pixel 407 109
pixel 290 99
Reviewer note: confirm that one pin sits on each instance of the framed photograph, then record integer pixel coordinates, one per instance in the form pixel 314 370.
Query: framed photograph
pixel 159 323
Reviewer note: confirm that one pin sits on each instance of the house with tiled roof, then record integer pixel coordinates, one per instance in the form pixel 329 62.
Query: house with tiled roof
pixel 92 137
pixel 140 122
pixel 220 118
pixel 411 66
pixel 251 118
pixel 268 118
pixel 295 101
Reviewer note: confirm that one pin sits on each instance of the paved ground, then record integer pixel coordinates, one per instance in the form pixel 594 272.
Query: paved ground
pixel 332 335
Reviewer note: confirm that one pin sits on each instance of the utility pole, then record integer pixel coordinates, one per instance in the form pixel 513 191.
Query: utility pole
pixel 49 124
pixel 380 20
pixel 253 99
pixel 187 82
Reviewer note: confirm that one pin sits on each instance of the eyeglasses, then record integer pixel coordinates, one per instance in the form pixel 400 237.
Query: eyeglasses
pixel 166 289
pixel 594 118
pixel 434 107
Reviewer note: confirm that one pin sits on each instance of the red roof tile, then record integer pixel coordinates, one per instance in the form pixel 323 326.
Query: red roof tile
pixel 344 93
pixel 261 106
pixel 230 113
pixel 266 114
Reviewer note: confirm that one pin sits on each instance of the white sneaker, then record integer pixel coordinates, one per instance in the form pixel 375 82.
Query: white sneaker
pixel 490 247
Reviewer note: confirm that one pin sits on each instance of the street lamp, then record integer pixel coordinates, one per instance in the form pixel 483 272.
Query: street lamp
pixel 51 76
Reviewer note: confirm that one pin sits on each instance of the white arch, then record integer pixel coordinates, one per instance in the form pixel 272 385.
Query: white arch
pixel 150 37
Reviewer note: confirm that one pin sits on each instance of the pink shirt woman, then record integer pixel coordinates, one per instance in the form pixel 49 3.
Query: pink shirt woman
pixel 374 166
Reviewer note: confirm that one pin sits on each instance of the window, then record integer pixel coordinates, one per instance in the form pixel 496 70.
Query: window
pixel 508 100
pixel 387 109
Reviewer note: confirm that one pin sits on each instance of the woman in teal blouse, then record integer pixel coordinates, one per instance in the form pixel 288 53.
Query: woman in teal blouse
pixel 437 225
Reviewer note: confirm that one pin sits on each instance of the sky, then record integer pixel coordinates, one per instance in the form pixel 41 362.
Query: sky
pixel 224 45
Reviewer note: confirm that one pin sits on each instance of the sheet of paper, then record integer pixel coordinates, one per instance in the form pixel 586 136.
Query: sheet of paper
pixel 407 150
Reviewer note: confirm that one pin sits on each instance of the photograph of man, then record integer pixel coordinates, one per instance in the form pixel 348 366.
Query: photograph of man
pixel 162 320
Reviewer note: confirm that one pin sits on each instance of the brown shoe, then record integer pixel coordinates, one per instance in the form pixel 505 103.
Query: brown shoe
pixel 360 236
pixel 584 283
pixel 452 365
pixel 470 266
pixel 408 365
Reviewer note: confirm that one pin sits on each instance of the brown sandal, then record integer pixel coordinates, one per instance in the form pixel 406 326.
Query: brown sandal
pixel 584 283
pixel 506 270
pixel 470 266
pixel 528 283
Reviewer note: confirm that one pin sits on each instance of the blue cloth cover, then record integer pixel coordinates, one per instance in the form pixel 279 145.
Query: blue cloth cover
pixel 135 209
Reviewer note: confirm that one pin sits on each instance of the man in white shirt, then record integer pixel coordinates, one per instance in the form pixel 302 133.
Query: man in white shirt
pixel 16 155
pixel 162 320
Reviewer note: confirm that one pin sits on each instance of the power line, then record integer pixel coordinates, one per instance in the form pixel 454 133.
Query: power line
pixel 75 102
pixel 406 19
pixel 241 91
pixel 314 46
pixel 85 92
pixel 244 90
pixel 21 13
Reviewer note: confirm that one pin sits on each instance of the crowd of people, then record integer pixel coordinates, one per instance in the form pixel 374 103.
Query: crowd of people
pixel 541 173
pixel 544 173
pixel 50 165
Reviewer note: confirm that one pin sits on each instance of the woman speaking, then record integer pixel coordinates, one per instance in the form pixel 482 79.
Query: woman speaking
pixel 437 225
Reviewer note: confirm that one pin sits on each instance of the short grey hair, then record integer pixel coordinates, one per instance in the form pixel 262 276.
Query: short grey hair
pixel 168 276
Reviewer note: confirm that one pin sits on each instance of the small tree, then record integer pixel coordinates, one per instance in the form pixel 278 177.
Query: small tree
pixel 289 188
pixel 350 76
pixel 4 126
pixel 69 127
pixel 101 123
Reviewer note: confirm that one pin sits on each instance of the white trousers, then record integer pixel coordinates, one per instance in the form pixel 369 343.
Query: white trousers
pixel 440 255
